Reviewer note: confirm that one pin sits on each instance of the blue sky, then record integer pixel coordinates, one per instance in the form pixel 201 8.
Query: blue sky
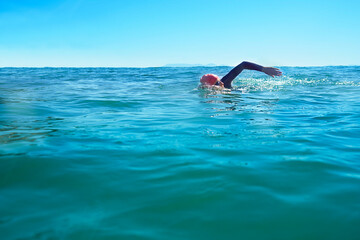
pixel 141 33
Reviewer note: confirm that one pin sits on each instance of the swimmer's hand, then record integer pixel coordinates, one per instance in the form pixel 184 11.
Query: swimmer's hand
pixel 271 71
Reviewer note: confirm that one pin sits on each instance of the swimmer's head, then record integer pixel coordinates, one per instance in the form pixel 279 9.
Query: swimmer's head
pixel 209 79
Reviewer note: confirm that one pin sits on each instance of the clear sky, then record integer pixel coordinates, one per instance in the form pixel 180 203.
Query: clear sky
pixel 141 33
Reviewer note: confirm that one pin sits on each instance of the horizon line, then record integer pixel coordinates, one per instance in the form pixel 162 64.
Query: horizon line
pixel 164 66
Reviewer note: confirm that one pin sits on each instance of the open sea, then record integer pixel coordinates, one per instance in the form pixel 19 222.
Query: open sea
pixel 141 153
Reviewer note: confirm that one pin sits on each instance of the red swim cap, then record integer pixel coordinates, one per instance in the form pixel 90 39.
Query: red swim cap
pixel 209 79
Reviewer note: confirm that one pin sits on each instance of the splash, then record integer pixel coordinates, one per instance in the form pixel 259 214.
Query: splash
pixel 246 85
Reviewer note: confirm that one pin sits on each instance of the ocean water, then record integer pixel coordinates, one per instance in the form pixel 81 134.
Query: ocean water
pixel 131 153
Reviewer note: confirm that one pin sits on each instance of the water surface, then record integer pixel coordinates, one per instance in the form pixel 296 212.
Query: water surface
pixel 130 153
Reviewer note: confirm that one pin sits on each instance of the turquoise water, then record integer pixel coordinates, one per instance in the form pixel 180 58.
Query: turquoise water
pixel 129 153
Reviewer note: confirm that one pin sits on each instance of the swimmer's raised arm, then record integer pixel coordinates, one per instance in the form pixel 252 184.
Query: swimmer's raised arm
pixel 228 78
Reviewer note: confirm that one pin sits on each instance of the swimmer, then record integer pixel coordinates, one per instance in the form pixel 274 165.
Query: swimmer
pixel 212 80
